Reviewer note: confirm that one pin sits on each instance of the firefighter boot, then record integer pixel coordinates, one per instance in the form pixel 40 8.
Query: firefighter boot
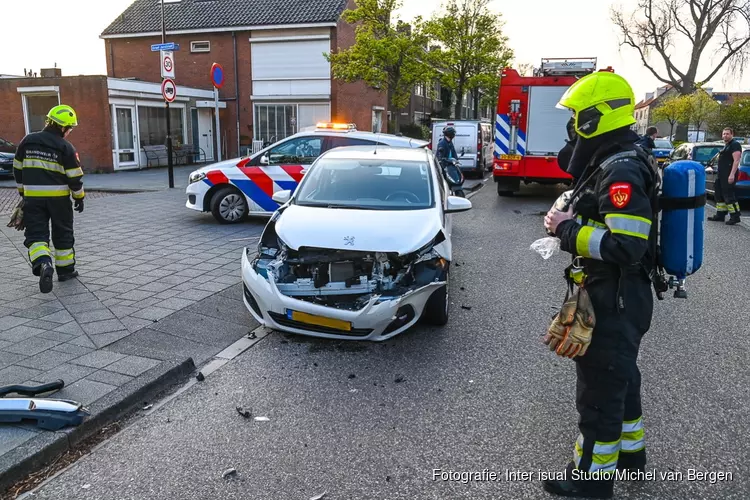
pixel 734 218
pixel 632 463
pixel 719 216
pixel 46 271
pixel 66 276
pixel 574 487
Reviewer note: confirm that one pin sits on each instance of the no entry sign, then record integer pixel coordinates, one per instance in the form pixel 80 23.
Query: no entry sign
pixel 168 90
pixel 217 75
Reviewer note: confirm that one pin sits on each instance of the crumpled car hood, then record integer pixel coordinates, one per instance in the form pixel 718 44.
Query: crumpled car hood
pixel 402 232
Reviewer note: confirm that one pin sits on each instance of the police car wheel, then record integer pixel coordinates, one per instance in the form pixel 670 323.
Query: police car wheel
pixel 229 206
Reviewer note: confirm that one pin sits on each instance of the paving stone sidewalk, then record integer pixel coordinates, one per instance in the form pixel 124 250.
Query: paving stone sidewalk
pixel 159 283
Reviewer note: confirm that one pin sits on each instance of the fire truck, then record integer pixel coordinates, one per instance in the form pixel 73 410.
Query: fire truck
pixel 529 129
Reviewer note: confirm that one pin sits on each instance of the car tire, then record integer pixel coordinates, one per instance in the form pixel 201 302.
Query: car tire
pixel 229 206
pixel 436 308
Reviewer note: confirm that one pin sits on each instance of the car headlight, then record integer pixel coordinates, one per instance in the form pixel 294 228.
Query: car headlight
pixel 197 176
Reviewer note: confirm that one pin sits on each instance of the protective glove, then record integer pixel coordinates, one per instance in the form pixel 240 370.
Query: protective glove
pixel 78 205
pixel 561 323
pixel 16 218
pixel 578 337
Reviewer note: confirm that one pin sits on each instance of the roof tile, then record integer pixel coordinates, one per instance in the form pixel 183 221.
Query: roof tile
pixel 144 16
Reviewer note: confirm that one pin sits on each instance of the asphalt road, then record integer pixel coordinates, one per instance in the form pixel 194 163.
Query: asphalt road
pixel 373 421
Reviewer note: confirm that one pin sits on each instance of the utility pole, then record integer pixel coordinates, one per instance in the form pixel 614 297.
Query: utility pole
pixel 169 125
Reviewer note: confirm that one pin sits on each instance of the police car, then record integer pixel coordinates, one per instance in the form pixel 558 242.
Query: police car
pixel 233 189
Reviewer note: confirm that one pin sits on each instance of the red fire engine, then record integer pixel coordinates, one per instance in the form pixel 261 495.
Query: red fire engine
pixel 529 128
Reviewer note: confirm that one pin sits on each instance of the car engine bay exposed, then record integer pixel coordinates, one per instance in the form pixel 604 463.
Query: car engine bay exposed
pixel 346 279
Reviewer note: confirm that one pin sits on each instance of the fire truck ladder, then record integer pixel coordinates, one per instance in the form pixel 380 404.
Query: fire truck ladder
pixel 575 66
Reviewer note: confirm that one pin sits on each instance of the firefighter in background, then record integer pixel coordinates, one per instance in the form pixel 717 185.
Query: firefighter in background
pixel 48 172
pixel 609 237
pixel 726 180
pixel 445 147
pixel 647 141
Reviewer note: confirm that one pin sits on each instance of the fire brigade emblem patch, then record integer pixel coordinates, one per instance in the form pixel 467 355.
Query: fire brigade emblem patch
pixel 619 194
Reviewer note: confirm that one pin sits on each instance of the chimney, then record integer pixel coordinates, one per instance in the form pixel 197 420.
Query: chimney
pixel 649 95
pixel 51 72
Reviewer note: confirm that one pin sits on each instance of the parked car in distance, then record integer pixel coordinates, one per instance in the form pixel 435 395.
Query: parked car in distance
pixel 742 188
pixel 702 152
pixel 474 143
pixel 7 146
pixel 6 164
pixel 662 150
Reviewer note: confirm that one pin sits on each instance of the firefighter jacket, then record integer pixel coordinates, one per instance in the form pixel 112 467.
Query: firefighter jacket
pixel 47 166
pixel 615 217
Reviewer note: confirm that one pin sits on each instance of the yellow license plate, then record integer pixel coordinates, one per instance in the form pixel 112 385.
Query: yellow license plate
pixel 312 319
pixel 510 157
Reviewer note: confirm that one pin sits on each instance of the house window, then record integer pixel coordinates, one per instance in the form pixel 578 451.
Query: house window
pixel 200 46
pixel 37 107
pixel 152 124
pixel 274 122
pixel 377 120
pixel 419 89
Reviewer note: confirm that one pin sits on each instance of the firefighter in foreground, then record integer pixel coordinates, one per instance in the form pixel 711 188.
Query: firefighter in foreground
pixel 610 303
pixel 48 172
pixel 726 180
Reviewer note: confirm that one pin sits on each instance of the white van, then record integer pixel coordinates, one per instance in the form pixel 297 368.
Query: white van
pixel 473 142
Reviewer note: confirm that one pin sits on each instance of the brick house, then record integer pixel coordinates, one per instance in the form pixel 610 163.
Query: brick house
pixel 117 117
pixel 277 80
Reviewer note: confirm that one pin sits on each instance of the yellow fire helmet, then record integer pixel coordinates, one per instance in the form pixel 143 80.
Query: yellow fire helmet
pixel 600 102
pixel 63 115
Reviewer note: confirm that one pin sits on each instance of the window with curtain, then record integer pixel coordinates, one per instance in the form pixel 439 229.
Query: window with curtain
pixel 152 122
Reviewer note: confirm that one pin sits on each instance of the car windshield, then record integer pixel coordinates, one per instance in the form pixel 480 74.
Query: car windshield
pixel 662 144
pixel 745 157
pixel 703 154
pixel 367 185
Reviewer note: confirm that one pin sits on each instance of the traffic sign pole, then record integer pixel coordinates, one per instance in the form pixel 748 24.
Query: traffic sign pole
pixel 170 167
pixel 217 78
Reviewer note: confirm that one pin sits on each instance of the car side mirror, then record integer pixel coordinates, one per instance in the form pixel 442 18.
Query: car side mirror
pixel 282 197
pixel 457 204
pixel 264 160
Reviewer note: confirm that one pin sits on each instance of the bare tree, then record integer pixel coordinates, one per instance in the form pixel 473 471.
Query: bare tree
pixel 719 28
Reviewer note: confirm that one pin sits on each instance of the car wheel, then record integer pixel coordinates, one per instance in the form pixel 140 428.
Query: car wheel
pixel 436 308
pixel 229 206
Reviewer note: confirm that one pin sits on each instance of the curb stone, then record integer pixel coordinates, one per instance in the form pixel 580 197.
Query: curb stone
pixel 47 446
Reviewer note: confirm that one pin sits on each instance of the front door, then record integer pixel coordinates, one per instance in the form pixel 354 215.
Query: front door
pixel 205 133
pixel 126 155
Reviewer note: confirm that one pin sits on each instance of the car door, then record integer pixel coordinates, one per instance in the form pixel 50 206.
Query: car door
pixel 278 168
pixel 711 171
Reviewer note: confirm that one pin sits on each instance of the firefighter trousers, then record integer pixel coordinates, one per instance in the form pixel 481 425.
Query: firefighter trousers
pixel 608 391
pixel 724 193
pixel 38 213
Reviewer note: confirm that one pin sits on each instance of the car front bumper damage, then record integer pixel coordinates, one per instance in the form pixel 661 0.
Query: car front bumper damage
pixel 341 299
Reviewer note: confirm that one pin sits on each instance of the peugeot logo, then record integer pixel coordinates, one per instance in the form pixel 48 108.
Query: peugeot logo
pixel 349 240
